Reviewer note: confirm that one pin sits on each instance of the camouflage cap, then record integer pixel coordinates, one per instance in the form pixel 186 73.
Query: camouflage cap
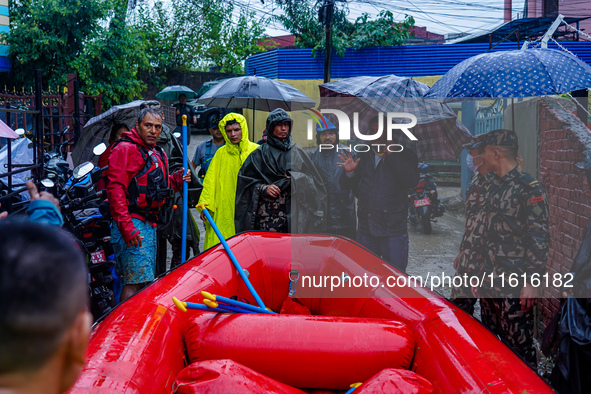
pixel 500 137
pixel 215 123
pixel 476 142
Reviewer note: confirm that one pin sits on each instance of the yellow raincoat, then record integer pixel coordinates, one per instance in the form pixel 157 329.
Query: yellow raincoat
pixel 219 185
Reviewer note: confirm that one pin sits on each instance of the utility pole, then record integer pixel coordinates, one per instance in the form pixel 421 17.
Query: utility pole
pixel 325 14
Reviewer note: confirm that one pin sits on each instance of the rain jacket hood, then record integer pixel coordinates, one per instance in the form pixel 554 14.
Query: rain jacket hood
pixel 231 148
pixel 275 117
pixel 134 135
pixel 219 185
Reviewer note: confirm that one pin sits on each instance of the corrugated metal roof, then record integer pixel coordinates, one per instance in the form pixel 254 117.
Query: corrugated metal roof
pixel 404 61
pixel 263 64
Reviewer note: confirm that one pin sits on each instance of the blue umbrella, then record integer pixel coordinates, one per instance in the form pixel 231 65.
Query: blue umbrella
pixel 518 73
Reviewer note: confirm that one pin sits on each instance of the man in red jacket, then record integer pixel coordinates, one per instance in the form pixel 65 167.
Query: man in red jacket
pixel 139 184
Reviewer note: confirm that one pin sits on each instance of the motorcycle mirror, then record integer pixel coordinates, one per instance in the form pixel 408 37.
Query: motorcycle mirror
pixel 20 132
pixel 47 183
pixel 82 170
pixel 99 149
pixel 176 134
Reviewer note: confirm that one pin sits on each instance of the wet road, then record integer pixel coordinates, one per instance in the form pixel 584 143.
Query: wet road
pixel 434 254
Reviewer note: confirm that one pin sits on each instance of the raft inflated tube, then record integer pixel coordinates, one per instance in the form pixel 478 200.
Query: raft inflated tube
pixel 223 308
pixel 231 255
pixel 235 303
pixel 321 352
pixel 227 376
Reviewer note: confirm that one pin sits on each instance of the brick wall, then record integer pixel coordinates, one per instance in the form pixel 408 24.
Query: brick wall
pixel 563 139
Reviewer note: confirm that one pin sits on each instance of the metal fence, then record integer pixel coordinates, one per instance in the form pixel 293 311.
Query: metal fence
pixel 489 118
pixel 43 117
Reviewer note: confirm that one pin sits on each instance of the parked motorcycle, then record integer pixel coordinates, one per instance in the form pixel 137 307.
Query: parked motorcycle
pixel 56 167
pixel 424 205
pixel 86 216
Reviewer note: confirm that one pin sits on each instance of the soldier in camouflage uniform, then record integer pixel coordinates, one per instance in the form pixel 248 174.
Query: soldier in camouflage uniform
pixel 516 242
pixel 470 258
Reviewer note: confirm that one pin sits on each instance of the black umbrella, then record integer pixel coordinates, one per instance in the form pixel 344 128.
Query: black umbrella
pixel 98 129
pixel 256 93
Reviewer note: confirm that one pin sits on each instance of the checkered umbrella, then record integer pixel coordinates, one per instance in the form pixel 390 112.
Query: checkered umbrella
pixel 440 134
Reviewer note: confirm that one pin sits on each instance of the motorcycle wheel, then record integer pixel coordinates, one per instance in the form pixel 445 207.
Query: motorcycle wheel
pixel 412 216
pixel 426 224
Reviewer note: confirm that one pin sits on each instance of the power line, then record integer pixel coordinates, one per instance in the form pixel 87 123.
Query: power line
pixel 432 17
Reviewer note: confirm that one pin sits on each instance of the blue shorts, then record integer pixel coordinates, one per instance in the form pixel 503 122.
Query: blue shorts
pixel 135 265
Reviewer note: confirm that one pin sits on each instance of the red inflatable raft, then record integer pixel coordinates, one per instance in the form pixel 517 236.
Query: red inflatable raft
pixel 389 339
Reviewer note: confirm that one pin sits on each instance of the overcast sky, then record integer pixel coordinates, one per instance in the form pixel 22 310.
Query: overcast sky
pixel 439 16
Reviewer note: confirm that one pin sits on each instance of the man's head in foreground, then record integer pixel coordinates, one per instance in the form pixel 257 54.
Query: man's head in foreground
pixel 44 320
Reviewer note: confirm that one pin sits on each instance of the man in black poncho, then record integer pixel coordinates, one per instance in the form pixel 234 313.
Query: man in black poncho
pixel 279 189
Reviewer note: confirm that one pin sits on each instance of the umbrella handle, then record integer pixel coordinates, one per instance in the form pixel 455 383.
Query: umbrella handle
pixel 185 195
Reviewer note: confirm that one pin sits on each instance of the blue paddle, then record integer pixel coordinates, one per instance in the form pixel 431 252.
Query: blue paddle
pixel 202 207
pixel 185 195
pixel 224 302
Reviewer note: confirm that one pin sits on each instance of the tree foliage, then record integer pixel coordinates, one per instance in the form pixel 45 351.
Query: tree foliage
pixel 50 35
pixel 63 37
pixel 108 47
pixel 171 33
pixel 300 18
pixel 228 40
pixel 194 34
